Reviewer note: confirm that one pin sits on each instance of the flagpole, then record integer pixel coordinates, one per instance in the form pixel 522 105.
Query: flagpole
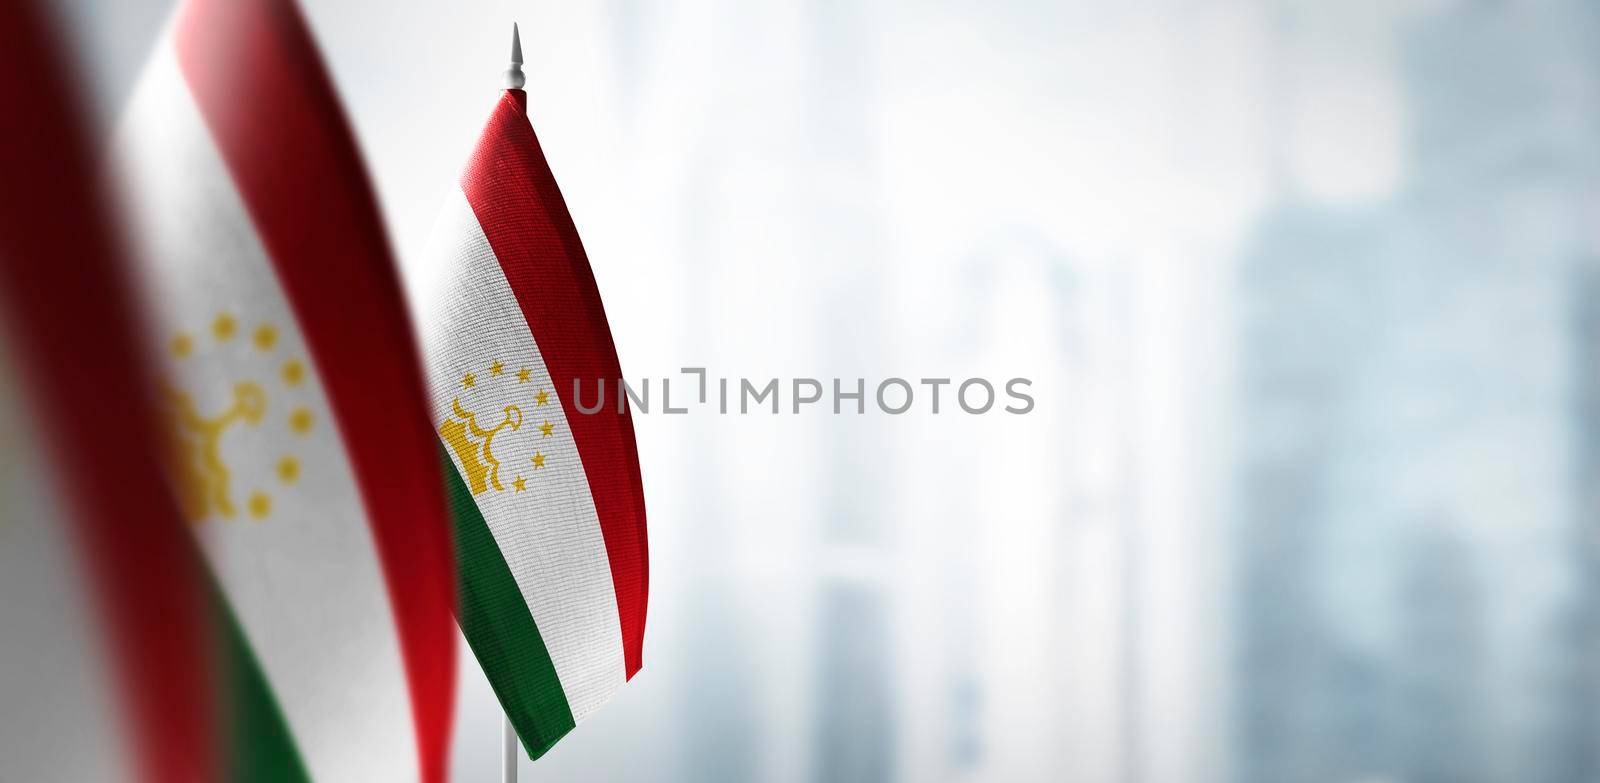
pixel 513 76
pixel 514 79
pixel 508 751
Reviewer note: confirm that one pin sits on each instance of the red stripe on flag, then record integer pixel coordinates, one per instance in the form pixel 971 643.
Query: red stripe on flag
pixel 254 72
pixel 514 195
pixel 72 321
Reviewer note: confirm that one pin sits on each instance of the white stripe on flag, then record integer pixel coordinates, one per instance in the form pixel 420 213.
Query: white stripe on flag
pixel 549 532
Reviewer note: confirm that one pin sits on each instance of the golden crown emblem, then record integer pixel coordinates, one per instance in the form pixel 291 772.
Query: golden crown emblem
pixel 477 457
pixel 201 475
pixel 474 445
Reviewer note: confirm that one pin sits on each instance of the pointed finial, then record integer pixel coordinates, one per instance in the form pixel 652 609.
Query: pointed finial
pixel 514 77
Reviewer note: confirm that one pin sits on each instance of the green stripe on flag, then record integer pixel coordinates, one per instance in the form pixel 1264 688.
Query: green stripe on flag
pixel 258 741
pixel 495 618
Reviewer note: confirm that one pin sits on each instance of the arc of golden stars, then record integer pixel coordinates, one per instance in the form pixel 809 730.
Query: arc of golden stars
pixel 469 380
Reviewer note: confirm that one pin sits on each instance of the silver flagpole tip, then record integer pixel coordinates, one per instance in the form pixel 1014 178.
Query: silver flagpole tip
pixel 514 77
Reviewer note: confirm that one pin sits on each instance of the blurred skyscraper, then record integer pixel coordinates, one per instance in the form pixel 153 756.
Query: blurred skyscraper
pixel 1416 442
pixel 854 713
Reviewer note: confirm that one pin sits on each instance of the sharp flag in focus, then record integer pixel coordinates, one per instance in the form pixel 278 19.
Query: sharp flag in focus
pixel 298 432
pixel 548 503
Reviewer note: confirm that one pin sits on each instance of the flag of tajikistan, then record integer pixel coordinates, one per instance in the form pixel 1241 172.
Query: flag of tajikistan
pixel 299 438
pixel 548 504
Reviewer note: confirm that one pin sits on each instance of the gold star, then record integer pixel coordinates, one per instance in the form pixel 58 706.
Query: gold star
pixel 182 345
pixel 546 429
pixel 224 327
pixel 265 337
pixel 538 460
pixel 300 421
pixel 522 375
pixel 288 469
pixel 496 368
pixel 293 372
pixel 520 483
pixel 260 505
pixel 542 397
pixel 469 381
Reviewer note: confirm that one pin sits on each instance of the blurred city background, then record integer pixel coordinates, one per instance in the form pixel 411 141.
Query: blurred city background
pixel 1309 292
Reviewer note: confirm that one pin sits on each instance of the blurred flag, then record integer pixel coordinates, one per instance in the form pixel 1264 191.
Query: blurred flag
pixel 548 504
pixel 104 671
pixel 300 446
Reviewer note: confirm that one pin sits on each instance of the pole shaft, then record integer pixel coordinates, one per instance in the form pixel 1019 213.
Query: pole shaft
pixel 508 751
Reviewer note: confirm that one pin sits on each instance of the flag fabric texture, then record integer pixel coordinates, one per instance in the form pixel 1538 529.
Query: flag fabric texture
pixel 299 444
pixel 104 640
pixel 549 508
